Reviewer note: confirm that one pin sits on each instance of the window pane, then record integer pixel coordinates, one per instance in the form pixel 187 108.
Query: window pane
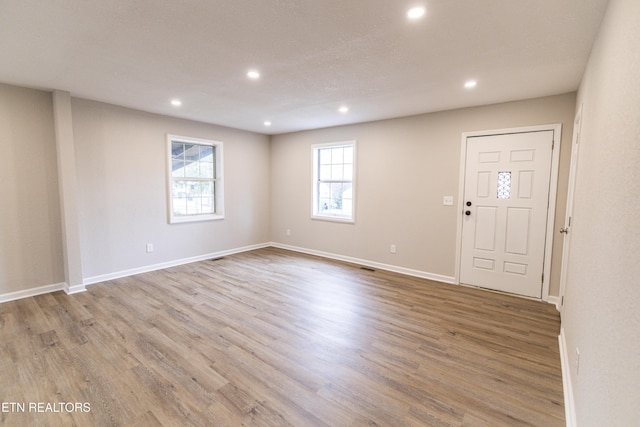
pixel 348 172
pixel 194 189
pixel 336 191
pixel 347 191
pixel 348 154
pixel 177 167
pixel 192 170
pixel 189 188
pixel 198 188
pixel 206 170
pixel 336 198
pixel 325 173
pixel 205 189
pixel 208 205
pixel 197 205
pixel 193 206
pixel 177 150
pixel 347 206
pixel 325 156
pixel 337 155
pixel 179 189
pixel 504 185
pixel 180 206
pixel 191 152
pixel 324 190
pixel 324 205
pixel 337 172
pixel 179 194
pixel 206 153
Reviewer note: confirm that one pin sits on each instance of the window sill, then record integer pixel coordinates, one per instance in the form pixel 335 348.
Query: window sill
pixel 198 218
pixel 333 219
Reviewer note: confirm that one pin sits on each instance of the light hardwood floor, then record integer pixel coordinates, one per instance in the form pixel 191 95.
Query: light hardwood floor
pixel 271 338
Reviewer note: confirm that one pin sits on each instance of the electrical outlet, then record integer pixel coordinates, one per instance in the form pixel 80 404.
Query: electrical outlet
pixel 393 249
pixel 288 232
pixel 149 248
pixel 447 200
pixel 577 361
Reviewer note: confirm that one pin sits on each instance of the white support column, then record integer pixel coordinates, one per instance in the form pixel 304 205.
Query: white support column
pixel 68 193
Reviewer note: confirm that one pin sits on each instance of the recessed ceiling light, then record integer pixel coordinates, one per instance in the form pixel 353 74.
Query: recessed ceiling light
pixel 470 84
pixel 253 74
pixel 267 123
pixel 415 12
pixel 176 102
pixel 344 109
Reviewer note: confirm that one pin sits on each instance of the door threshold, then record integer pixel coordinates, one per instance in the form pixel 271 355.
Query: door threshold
pixel 495 291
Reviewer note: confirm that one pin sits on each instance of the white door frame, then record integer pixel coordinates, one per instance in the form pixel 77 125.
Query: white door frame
pixel 566 247
pixel 553 189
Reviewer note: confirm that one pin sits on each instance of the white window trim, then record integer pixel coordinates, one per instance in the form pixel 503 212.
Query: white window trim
pixel 218 181
pixel 314 175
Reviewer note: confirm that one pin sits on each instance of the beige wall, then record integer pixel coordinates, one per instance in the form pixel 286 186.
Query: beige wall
pixel 408 163
pixel 601 315
pixel 120 160
pixel 30 236
pixel 404 168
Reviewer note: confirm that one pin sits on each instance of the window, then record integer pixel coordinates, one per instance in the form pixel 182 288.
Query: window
pixel 504 185
pixel 195 179
pixel 333 181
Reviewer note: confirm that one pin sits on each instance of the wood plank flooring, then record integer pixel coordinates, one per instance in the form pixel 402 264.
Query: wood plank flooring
pixel 275 338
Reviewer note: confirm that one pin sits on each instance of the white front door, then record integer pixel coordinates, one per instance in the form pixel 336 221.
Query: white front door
pixel 506 197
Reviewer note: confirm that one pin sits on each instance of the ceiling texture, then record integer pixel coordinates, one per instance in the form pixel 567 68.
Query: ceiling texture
pixel 313 56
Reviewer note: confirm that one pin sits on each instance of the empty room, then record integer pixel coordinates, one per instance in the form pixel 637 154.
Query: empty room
pixel 319 213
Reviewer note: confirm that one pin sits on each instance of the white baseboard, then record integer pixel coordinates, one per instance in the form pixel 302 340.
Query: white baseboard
pixel 74 289
pixel 569 407
pixel 12 296
pixel 160 266
pixel 367 263
pixel 69 290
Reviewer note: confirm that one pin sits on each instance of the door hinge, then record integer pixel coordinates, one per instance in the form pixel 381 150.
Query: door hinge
pixel 542 278
pixel 562 300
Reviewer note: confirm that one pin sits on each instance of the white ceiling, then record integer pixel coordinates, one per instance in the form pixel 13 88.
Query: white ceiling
pixel 313 55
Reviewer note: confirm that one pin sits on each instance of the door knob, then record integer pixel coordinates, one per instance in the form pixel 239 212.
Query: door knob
pixel 467 213
pixel 564 230
pixel 468 203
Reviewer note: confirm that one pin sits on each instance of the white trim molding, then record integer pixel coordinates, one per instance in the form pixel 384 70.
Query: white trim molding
pixel 569 406
pixel 70 290
pixel 145 269
pixel 367 263
pixel 26 293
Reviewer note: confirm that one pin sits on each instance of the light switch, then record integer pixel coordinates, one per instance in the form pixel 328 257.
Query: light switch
pixel 447 201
